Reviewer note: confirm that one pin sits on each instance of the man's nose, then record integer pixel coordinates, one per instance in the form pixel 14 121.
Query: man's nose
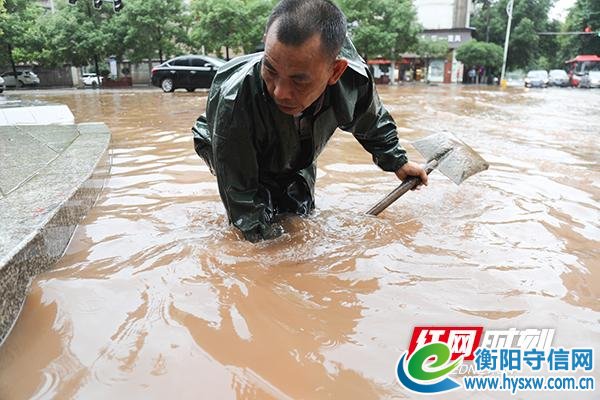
pixel 282 92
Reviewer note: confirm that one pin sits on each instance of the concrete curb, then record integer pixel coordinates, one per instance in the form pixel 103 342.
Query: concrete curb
pixel 38 216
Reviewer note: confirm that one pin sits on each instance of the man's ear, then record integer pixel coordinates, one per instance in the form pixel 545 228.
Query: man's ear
pixel 339 66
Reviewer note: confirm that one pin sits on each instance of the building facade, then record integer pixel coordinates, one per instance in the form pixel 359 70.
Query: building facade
pixel 447 20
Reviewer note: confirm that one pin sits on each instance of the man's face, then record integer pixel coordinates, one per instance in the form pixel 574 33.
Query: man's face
pixel 296 76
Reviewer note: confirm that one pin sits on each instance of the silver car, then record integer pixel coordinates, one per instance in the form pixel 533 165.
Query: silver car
pixel 558 77
pixel 536 78
pixel 24 78
pixel 590 80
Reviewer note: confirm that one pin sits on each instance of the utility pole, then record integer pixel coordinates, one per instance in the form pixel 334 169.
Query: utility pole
pixel 509 12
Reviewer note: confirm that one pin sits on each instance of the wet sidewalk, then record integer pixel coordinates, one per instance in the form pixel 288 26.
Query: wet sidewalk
pixel 50 176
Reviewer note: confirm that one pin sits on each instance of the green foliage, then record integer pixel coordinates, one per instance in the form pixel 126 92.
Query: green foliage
pixel 2 16
pixel 147 29
pixel 524 44
pixel 234 24
pixel 73 35
pixel 529 17
pixel 218 24
pixel 583 14
pixel 20 37
pixel 384 28
pixel 258 12
pixel 429 48
pixel 79 34
pixel 550 48
pixel 484 54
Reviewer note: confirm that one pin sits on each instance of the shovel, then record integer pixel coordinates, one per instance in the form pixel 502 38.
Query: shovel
pixel 444 151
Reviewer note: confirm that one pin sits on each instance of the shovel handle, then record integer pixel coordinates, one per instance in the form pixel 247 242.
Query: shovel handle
pixel 406 185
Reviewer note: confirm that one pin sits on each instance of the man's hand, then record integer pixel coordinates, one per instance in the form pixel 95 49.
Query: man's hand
pixel 412 169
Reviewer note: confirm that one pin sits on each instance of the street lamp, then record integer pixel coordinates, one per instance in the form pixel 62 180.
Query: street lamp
pixel 509 11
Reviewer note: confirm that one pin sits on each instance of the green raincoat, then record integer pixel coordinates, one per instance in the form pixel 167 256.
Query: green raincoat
pixel 264 159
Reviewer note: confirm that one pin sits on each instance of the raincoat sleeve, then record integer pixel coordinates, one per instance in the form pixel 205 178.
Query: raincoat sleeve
pixel 247 202
pixel 202 142
pixel 375 129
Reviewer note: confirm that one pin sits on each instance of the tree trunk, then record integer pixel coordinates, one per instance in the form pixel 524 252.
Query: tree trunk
pixel 227 53
pixel 96 65
pixel 12 61
pixel 160 49
pixel 487 26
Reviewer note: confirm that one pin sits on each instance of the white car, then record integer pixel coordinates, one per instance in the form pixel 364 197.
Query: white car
pixel 590 80
pixel 2 85
pixel 24 78
pixel 92 80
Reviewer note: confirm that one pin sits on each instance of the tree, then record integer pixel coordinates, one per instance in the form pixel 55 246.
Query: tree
pixel 74 35
pixel 550 48
pixel 218 24
pixel 251 35
pixel 150 28
pixel 428 48
pixel 529 17
pixel 385 28
pixel 524 44
pixel 474 53
pixel 20 35
pixel 584 13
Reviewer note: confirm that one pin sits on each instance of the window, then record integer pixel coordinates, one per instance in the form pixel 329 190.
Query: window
pixel 181 62
pixel 198 62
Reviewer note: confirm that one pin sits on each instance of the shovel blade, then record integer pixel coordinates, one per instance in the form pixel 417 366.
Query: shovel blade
pixel 455 158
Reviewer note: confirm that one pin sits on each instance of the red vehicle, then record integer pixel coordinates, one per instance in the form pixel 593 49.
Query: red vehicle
pixel 581 65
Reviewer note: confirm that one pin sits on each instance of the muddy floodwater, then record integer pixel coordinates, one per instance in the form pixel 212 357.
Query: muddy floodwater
pixel 157 297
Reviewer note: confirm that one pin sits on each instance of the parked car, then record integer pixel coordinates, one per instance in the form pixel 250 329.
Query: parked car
pixel 2 85
pixel 536 78
pixel 90 79
pixel 187 72
pixel 590 80
pixel 24 78
pixel 558 77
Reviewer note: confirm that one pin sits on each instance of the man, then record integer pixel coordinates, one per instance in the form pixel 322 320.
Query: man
pixel 270 115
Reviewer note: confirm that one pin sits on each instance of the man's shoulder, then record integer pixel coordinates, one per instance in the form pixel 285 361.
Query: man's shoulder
pixel 232 75
pixel 233 88
pixel 356 64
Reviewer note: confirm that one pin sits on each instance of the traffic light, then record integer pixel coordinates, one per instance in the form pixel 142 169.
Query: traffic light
pixel 118 5
pixel 97 4
pixel 72 2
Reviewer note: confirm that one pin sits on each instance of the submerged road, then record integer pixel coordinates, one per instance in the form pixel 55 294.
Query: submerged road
pixel 157 297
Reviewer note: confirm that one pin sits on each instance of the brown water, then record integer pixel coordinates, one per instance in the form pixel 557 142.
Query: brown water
pixel 157 297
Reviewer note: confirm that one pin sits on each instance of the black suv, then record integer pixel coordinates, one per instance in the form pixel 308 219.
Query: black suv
pixel 187 72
